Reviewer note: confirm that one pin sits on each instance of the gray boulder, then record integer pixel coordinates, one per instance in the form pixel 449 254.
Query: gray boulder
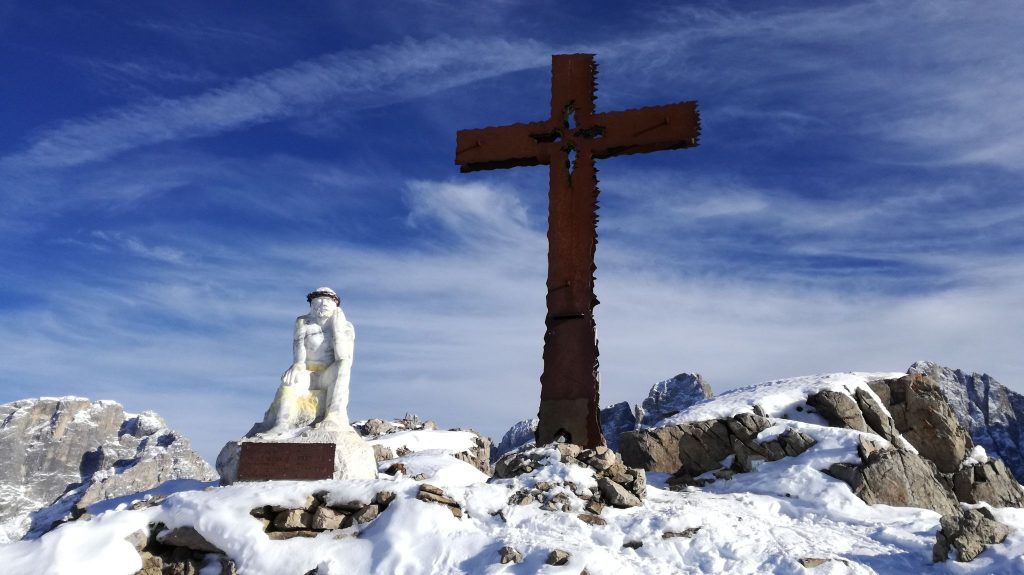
pixel 688 450
pixel 968 533
pixel 990 482
pixel 896 477
pixel 671 396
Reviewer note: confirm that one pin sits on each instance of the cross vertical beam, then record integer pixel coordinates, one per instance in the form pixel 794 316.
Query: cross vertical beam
pixel 568 142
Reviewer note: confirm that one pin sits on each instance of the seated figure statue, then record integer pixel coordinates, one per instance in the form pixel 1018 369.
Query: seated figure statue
pixel 314 390
pixel 310 407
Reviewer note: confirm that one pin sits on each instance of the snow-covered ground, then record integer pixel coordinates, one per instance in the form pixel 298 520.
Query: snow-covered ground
pixel 765 521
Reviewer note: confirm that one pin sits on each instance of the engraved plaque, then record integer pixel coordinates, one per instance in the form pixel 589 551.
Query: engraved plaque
pixel 299 461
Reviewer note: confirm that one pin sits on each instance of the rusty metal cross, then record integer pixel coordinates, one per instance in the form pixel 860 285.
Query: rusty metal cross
pixel 569 142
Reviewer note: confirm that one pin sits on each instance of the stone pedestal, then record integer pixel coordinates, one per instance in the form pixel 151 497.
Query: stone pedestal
pixel 314 454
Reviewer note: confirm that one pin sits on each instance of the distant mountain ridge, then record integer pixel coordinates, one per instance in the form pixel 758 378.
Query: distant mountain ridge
pixel 664 399
pixel 987 409
pixel 61 455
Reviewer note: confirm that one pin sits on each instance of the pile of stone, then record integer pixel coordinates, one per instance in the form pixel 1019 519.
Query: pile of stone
pixel 184 551
pixel 617 485
pixel 969 533
pixel 478 456
pixel 432 494
pixel 697 453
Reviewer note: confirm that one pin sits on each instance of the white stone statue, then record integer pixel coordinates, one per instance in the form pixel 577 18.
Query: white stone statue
pixel 311 405
pixel 314 390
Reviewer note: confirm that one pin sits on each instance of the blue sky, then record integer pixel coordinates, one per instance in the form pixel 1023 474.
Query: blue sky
pixel 175 177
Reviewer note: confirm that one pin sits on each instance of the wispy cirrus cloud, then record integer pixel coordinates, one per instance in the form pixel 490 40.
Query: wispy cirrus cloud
pixel 356 79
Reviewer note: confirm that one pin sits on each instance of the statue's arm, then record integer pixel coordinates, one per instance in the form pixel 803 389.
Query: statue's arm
pixel 344 339
pixel 299 344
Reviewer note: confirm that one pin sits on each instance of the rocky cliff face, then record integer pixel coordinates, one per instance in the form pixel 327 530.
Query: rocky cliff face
pixel 669 397
pixel 64 454
pixel 991 413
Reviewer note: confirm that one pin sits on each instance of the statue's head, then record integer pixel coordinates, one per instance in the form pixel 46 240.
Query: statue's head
pixel 323 301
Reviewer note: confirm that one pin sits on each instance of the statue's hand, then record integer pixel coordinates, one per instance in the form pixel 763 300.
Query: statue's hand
pixel 295 375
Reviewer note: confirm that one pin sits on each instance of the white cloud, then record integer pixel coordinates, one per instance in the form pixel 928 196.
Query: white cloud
pixel 357 79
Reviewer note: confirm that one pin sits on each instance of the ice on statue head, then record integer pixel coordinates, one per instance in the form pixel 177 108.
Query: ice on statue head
pixel 311 403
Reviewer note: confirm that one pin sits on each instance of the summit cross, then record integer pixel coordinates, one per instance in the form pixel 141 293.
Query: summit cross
pixel 569 141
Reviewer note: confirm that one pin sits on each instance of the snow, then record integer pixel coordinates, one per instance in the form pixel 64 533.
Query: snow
pixel 764 521
pixel 778 398
pixel 977 456
pixel 420 440
pixel 747 525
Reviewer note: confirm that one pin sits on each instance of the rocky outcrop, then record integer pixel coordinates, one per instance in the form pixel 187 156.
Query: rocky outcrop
pixel 669 397
pixel 896 477
pixel 988 482
pixel 924 418
pixel 689 450
pixel 990 412
pixel 617 484
pixel 184 551
pixel 62 454
pixel 968 533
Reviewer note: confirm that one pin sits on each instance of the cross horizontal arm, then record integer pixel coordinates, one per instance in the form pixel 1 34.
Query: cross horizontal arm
pixel 668 127
pixel 501 147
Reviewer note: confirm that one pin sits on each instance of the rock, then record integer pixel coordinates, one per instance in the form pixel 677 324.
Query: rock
pixel 509 555
pixel 812 562
pixel 600 458
pixel 795 442
pixel 558 557
pixel 969 533
pixel 688 450
pixel 293 519
pixel 691 448
pixel 839 409
pixel 285 535
pixel 616 495
pixel 138 539
pixel 592 519
pixel 432 498
pixel 428 488
pixel 990 412
pixel 376 427
pixel 382 453
pixel 151 564
pixel 326 518
pixel 990 482
pixel 669 397
pixel 924 418
pixel 396 468
pixel 876 416
pixel 364 515
pixel 899 478
pixel 479 455
pixel 187 537
pixel 595 507
pixel 59 453
pixel 383 499
pixel 688 532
